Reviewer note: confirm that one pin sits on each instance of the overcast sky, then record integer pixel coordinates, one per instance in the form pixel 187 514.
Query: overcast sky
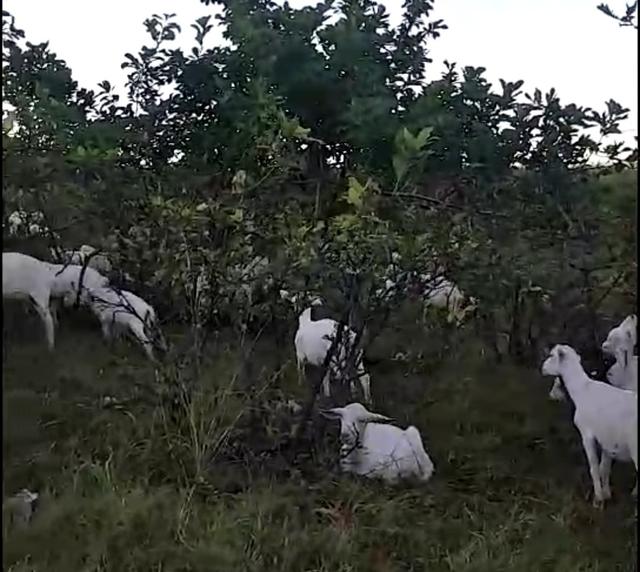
pixel 566 44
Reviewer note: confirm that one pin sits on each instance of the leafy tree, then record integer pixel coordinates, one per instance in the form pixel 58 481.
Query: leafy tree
pixel 313 139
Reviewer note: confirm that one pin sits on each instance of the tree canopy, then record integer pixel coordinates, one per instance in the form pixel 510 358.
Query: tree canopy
pixel 311 131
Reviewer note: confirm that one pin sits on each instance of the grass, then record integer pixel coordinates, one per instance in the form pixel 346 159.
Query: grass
pixel 119 488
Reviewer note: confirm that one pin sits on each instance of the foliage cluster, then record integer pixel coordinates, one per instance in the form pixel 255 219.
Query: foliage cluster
pixel 300 156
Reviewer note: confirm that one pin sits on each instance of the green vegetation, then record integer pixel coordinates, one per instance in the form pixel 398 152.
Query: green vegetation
pixel 509 491
pixel 312 141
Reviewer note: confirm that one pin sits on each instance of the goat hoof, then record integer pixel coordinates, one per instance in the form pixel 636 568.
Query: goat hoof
pixel 598 503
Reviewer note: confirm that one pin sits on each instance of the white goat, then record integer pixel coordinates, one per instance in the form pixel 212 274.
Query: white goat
pixel 375 450
pixel 99 262
pixel 67 281
pixel 622 337
pixel 556 392
pixel 313 340
pixel 620 343
pixel 122 311
pixel 442 293
pixel 19 509
pixel 27 278
pixel 624 375
pixel 605 416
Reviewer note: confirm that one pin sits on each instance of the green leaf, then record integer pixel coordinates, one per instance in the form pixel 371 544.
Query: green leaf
pixel 355 193
pixel 400 165
pixel 424 136
pixel 237 215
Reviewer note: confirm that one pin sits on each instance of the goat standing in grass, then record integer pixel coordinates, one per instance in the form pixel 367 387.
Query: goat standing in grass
pixel 442 293
pixel 27 278
pixel 120 311
pixel 313 341
pixel 66 284
pixel 605 416
pixel 99 262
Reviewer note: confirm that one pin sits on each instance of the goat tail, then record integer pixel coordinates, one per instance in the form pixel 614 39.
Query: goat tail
pixel 422 458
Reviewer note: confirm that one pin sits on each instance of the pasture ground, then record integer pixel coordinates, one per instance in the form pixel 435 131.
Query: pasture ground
pixel 509 492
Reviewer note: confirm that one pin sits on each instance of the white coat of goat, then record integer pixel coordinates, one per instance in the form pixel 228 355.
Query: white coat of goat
pixel 442 293
pixel 66 284
pixel 99 262
pixel 624 375
pixel 620 343
pixel 122 311
pixel 622 337
pixel 313 340
pixel 605 416
pixel 27 278
pixel 377 450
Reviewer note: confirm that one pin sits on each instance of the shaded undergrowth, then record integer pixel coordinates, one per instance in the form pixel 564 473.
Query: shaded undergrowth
pixel 133 482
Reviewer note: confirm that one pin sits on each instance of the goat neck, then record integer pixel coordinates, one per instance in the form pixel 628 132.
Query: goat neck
pixel 305 317
pixel 574 377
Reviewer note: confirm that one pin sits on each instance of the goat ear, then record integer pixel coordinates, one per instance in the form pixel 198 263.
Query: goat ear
pixel 373 417
pixel 335 413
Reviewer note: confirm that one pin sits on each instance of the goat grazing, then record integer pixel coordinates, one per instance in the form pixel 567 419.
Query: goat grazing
pixel 66 284
pixel 605 416
pixel 99 262
pixel 313 341
pixel 119 311
pixel 441 293
pixel 27 278
pixel 377 450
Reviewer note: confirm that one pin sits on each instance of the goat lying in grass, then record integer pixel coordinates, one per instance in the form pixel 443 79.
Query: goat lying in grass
pixel 27 278
pixel 313 340
pixel 377 450
pixel 605 416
